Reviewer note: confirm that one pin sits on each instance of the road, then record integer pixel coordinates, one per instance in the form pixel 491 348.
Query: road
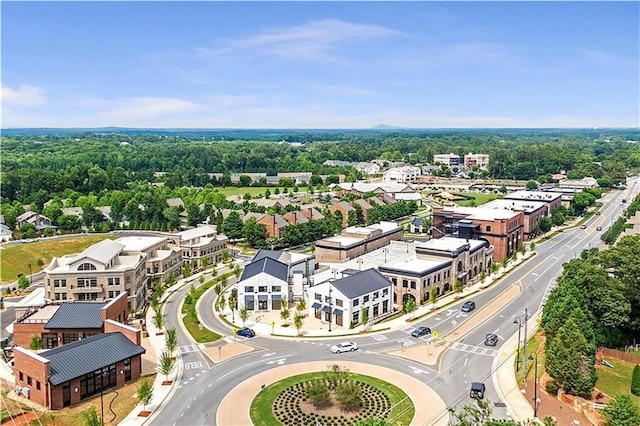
pixel 203 386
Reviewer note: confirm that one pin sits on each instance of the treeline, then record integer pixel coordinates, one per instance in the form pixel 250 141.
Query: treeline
pixel 94 162
pixel 596 303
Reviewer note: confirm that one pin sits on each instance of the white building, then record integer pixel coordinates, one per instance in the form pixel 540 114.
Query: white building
pixel 407 174
pixel 263 285
pixel 480 160
pixel 199 243
pixel 447 159
pixel 368 168
pixel 342 301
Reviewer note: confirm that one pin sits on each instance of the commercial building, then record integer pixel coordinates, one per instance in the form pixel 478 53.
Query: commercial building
pixel 162 258
pixel 447 159
pixel 533 211
pixel 200 243
pixel 355 241
pixel 480 160
pixel 553 200
pixel 406 174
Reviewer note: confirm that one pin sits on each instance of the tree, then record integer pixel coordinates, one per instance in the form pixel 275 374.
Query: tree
pixel 409 305
pixel 635 381
pixel 36 343
pixel 301 306
pixel 622 411
pixel 284 310
pixel 458 286
pixel 349 395
pixel 373 422
pixel 254 233
pixel 317 392
pixel 532 185
pixel 158 319
pixel 364 314
pixel 480 415
pixel 298 321
pixel 23 282
pixel 244 314
pixel 433 295
pixel 90 417
pixel 145 392
pixel 167 364
pixel 545 224
pixel 558 218
pixel 171 340
pixel 232 225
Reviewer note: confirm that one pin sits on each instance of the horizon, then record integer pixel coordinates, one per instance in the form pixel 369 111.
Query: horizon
pixel 321 66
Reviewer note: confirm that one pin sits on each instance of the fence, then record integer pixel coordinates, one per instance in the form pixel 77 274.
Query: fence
pixel 614 353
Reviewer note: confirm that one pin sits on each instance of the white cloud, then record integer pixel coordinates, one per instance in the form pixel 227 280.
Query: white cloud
pixel 316 40
pixel 599 56
pixel 23 95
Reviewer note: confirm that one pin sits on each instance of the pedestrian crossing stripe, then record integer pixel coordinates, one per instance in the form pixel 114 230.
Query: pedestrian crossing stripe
pixel 187 348
pixel 478 350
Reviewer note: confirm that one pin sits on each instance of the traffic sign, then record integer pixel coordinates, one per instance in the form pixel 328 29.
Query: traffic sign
pixel 435 334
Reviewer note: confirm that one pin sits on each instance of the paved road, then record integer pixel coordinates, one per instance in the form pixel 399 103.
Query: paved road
pixel 203 386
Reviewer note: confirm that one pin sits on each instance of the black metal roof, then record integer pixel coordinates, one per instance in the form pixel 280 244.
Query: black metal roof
pixel 90 354
pixel 77 315
pixel 361 283
pixel 262 253
pixel 268 266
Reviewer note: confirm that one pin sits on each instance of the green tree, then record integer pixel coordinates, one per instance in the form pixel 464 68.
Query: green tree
pixel 298 321
pixel 36 343
pixel 301 306
pixel 317 392
pixel 284 310
pixel 622 411
pixel 23 282
pixel 546 224
pixel 635 381
pixel 244 314
pixel 558 218
pixel 232 226
pixel 145 392
pixel 458 286
pixel 349 395
pixel 532 185
pixel 409 305
pixel 167 364
pixel 171 340
pixel 364 315
pixel 90 417
pixel 433 295
pixel 158 318
pixel 254 233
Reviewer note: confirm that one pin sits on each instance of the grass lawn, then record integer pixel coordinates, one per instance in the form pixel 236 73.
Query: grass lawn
pixel 261 407
pixel 533 345
pixel 231 190
pixel 613 381
pixel 479 198
pixel 15 259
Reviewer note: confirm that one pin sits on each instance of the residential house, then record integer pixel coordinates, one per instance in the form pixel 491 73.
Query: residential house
pixel 275 225
pixel 311 213
pixel 344 208
pixel 295 217
pixel 368 169
pixel 39 221
pixel 418 226
pixel 364 206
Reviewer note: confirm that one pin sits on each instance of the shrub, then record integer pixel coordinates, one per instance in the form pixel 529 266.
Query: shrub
pixel 635 380
pixel 552 387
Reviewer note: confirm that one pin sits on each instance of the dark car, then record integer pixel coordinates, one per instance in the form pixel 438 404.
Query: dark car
pixel 597 213
pixel 583 227
pixel 246 332
pixel 468 306
pixel 491 339
pixel 477 390
pixel 599 228
pixel 421 331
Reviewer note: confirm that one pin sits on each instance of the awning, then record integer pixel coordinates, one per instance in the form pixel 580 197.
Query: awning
pixel 263 297
pixel 337 312
pixel 461 274
pixel 315 305
pixel 326 309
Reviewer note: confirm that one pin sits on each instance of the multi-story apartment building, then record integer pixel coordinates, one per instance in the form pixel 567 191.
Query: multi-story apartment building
pixel 406 174
pixel 480 160
pixel 200 243
pixel 447 159
pixel 102 271
pixel 162 259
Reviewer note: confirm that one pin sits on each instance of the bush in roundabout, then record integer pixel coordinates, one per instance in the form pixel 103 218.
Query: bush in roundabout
pixel 334 397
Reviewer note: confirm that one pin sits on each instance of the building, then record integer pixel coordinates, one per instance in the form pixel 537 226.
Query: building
pixel 102 271
pixel 201 243
pixel 58 324
pixel 406 174
pixel 585 182
pixel 66 375
pixel 39 221
pixel 295 218
pixel 447 159
pixel 360 188
pixel 344 208
pixel 161 260
pixel 437 263
pixel 263 284
pixel 480 160
pixel 503 229
pixel 368 169
pixel 343 300
pixel 275 224
pixel 533 211
pixel 364 207
pixel 355 241
pixel 552 200
pixel 418 226
pixel 301 266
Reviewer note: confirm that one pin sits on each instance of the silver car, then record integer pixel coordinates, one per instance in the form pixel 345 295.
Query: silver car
pixel 344 347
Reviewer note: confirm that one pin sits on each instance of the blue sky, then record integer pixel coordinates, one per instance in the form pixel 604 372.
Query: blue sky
pixel 320 64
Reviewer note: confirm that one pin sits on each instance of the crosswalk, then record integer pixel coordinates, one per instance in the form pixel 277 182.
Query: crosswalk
pixel 187 348
pixel 478 350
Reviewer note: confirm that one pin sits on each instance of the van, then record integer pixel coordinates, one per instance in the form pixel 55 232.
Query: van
pixel 477 390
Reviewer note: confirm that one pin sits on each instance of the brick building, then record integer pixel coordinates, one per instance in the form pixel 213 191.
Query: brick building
pixel 355 241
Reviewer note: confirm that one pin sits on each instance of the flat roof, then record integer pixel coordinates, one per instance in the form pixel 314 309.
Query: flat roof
pixel 527 206
pixel 416 265
pixel 140 243
pixel 481 213
pixel 451 244
pixel 200 231
pixel 531 195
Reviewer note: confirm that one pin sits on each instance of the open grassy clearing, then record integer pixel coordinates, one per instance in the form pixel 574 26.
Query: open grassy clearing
pixel 15 259
pixel 613 381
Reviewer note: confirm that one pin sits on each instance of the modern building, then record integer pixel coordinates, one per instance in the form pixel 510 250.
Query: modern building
pixel 58 324
pixel 162 259
pixel 437 263
pixel 69 374
pixel 585 182
pixel 301 266
pixel 200 243
pixel 343 300
pixel 533 211
pixel 553 200
pixel 447 159
pixel 480 160
pixel 406 174
pixel 355 241
pixel 503 229
pixel 102 271
pixel 263 284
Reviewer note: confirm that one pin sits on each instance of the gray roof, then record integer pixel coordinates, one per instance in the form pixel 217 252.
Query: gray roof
pixel 279 255
pixel 361 283
pixel 90 354
pixel 103 251
pixel 268 266
pixel 418 221
pixel 77 315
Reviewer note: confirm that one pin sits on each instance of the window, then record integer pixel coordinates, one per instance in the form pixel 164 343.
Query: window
pixel 113 281
pixel 49 340
pixel 356 302
pixel 37 384
pixel 249 289
pixel 413 284
pixel 29 381
pixel 87 282
pixel 318 297
pixel 339 302
pixel 276 289
pixel 405 283
pixel 63 283
pixel 21 376
pixel 394 281
pixel 262 289
pixel 56 283
pixel 69 337
pixel 356 317
pixel 87 267
pixel 327 299
pixel 488 228
pixel 385 291
pixel 365 299
pixel 375 295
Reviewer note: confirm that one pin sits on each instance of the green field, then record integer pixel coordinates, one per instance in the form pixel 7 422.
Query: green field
pixel 15 259
pixel 479 198
pixel 613 381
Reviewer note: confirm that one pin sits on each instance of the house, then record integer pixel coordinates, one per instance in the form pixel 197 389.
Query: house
pixel 368 168
pixel 437 263
pixel 300 178
pixel 364 206
pixel 264 281
pixel 338 163
pixel 480 160
pixel 295 218
pixel 275 224
pixel 407 174
pixel 102 271
pixel 41 222
pixel 342 301
pixel 447 159
pixel 311 213
pixel 202 242
pixel 272 202
pixel 69 374
pixel 355 241
pixel 58 323
pixel 418 226
pixel 344 208
pixel 5 233
pixel 161 259
pixel 360 188
pixel 503 229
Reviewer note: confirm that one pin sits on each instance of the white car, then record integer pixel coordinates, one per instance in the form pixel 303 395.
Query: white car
pixel 344 347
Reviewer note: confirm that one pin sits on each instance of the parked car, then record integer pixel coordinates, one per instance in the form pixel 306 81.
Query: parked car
pixel 245 332
pixel 477 390
pixel 491 339
pixel 599 228
pixel 344 347
pixel 468 306
pixel 421 331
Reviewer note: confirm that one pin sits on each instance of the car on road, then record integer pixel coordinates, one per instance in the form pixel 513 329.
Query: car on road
pixel 583 227
pixel 599 228
pixel 491 339
pixel 344 347
pixel 246 332
pixel 597 213
pixel 420 331
pixel 477 390
pixel 468 306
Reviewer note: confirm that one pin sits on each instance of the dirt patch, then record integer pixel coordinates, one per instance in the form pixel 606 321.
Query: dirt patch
pixel 331 408
pixel 422 353
pixel 21 419
pixel 225 351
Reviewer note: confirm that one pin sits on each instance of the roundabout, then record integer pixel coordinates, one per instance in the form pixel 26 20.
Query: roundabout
pixel 236 407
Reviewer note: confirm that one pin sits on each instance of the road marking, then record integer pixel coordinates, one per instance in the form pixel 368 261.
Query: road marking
pixel 416 370
pixel 379 338
pixel 474 349
pixel 465 361
pixel 190 365
pixel 245 366
pixel 188 348
pixel 406 342
pixel 269 354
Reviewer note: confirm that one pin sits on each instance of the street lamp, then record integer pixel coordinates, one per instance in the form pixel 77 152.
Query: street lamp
pixel 517 321
pixel 104 374
pixel 535 389
pixel 30 274
pixel 330 307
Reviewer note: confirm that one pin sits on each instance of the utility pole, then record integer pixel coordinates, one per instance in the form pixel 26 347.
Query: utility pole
pixel 524 347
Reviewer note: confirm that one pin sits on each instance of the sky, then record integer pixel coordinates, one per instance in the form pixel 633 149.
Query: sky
pixel 320 64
